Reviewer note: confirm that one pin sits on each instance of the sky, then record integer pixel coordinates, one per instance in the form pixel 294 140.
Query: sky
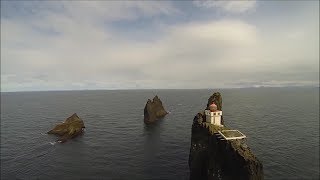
pixel 78 45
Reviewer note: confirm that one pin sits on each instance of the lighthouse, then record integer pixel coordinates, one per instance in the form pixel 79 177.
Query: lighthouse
pixel 213 115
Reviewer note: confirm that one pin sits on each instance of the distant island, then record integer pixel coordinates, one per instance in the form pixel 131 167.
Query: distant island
pixel 154 110
pixel 70 128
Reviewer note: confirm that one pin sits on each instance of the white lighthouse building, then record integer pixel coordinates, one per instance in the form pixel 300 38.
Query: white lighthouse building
pixel 213 117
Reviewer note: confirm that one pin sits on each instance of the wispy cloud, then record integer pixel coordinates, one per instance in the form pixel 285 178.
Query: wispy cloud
pixel 227 6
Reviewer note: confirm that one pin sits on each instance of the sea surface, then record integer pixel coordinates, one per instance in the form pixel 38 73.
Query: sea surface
pixel 282 125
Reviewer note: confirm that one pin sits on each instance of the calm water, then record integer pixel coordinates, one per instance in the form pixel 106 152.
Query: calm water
pixel 282 125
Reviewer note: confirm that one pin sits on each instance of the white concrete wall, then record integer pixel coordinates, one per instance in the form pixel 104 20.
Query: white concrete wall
pixel 217 120
pixel 208 116
pixel 213 117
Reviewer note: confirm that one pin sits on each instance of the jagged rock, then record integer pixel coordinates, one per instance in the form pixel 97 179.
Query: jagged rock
pixel 70 128
pixel 217 99
pixel 154 110
pixel 212 158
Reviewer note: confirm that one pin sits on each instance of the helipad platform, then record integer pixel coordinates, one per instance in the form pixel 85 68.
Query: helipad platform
pixel 231 134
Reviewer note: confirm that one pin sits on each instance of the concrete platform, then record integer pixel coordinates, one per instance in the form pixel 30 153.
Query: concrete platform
pixel 232 134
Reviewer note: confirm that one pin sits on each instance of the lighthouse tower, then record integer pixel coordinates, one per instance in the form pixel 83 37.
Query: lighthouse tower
pixel 213 116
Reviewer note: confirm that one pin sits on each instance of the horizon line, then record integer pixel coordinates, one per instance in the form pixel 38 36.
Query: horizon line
pixel 130 89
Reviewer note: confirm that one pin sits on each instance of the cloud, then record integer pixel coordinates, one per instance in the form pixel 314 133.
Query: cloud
pixel 84 46
pixel 227 6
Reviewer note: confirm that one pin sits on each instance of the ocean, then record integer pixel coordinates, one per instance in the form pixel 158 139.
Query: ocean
pixel 282 126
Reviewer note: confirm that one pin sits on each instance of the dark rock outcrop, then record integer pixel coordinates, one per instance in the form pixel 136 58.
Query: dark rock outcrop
pixel 70 128
pixel 154 110
pixel 213 158
pixel 217 99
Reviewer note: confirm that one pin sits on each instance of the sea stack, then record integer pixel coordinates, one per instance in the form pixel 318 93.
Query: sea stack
pixel 154 110
pixel 217 152
pixel 70 128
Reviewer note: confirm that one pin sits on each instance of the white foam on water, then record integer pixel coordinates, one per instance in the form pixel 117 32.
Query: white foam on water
pixel 52 143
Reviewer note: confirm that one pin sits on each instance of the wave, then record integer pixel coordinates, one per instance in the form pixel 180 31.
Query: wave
pixel 52 143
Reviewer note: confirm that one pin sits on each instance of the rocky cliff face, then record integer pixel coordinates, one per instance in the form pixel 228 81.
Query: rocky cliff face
pixel 154 110
pixel 70 128
pixel 213 158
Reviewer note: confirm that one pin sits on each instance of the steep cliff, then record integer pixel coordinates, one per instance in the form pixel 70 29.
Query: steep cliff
pixel 213 158
pixel 154 110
